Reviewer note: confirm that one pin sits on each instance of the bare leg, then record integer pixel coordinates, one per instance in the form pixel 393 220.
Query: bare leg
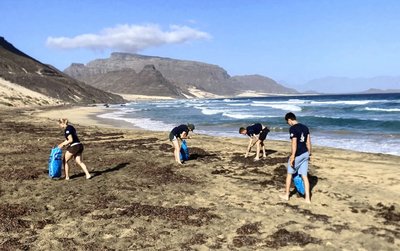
pixel 176 151
pixel 306 188
pixel 258 151
pixel 67 157
pixel 263 149
pixel 78 160
pixel 287 188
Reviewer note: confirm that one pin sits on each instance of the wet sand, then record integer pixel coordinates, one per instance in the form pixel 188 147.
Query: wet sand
pixel 138 199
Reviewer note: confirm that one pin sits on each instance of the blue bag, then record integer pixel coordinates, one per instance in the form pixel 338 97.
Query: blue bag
pixel 55 162
pixel 298 183
pixel 184 152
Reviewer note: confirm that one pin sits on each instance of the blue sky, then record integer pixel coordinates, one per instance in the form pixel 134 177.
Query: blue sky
pixel 290 41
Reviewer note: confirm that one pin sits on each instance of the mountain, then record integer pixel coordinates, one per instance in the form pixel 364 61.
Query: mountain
pixel 148 81
pixel 374 90
pixel 260 83
pixel 26 73
pixel 352 85
pixel 181 77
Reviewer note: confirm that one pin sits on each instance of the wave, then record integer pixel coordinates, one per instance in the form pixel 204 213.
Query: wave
pixel 242 116
pixel 207 111
pixel 290 108
pixel 144 123
pixel 382 109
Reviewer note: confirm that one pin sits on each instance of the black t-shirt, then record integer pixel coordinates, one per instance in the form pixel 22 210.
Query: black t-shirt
pixel 254 129
pixel 70 130
pixel 300 132
pixel 177 131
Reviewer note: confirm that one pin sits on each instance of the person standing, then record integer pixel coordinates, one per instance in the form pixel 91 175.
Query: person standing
pixel 74 148
pixel 257 134
pixel 176 135
pixel 300 154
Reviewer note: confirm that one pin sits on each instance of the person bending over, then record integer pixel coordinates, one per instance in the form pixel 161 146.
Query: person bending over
pixel 176 135
pixel 257 134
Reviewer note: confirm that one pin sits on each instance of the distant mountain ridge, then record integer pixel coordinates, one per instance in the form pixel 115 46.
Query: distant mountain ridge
pixel 353 85
pixel 180 76
pixel 18 68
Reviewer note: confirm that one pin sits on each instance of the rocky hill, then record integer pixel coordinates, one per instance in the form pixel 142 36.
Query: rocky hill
pixel 180 76
pixel 148 81
pixel 263 84
pixel 17 68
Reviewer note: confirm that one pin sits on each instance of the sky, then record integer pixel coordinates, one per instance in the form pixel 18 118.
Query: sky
pixel 291 41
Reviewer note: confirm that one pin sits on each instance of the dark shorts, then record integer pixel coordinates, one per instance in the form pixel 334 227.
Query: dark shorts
pixel 172 137
pixel 75 149
pixel 263 134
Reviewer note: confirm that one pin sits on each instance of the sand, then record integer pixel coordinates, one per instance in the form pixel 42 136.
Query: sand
pixel 14 95
pixel 138 199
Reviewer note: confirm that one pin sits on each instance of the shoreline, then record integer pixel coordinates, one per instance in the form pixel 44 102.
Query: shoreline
pixel 88 116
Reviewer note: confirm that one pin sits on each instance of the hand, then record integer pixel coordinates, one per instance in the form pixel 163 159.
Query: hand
pixel 292 160
pixel 61 145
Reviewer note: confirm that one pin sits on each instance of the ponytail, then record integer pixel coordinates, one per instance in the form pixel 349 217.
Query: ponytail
pixel 63 121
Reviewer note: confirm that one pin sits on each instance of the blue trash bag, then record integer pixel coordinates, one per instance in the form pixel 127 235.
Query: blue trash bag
pixel 55 162
pixel 184 152
pixel 298 183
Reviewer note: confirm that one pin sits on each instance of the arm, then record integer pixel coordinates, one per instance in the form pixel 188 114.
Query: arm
pixel 293 151
pixel 309 144
pixel 66 142
pixel 184 135
pixel 249 147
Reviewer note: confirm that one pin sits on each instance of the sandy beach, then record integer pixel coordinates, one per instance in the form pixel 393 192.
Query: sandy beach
pixel 138 199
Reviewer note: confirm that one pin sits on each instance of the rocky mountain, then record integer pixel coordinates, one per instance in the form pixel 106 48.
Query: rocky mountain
pixel 181 76
pixel 260 83
pixel 148 81
pixel 18 68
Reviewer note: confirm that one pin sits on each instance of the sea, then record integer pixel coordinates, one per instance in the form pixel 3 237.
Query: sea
pixel 363 122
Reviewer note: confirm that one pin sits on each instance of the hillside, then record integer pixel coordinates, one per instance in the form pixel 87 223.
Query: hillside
pixel 17 68
pixel 260 83
pixel 185 76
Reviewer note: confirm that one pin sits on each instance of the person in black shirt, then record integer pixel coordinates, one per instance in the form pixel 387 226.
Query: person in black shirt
pixel 74 148
pixel 176 135
pixel 300 154
pixel 257 134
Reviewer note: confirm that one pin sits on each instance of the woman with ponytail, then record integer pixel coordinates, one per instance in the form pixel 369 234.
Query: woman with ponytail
pixel 74 148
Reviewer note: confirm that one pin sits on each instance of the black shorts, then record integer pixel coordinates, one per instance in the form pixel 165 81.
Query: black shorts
pixel 75 149
pixel 263 134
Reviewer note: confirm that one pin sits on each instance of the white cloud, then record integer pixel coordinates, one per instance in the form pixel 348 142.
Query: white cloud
pixel 129 38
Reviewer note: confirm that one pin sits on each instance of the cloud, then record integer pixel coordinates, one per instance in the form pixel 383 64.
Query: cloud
pixel 129 38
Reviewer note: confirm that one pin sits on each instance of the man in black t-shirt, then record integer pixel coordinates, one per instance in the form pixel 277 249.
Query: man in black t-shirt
pixel 257 134
pixel 176 135
pixel 300 153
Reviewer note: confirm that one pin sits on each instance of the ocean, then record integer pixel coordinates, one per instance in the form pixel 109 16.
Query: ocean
pixel 365 122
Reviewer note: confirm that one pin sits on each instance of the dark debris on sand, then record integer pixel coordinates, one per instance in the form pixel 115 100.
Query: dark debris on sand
pixel 283 237
pixel 180 214
pixel 388 213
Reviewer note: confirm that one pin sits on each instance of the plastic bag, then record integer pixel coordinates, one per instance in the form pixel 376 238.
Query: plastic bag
pixel 184 152
pixel 55 162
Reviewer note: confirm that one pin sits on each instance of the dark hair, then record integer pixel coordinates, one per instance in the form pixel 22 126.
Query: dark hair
pixel 191 127
pixel 241 129
pixel 290 115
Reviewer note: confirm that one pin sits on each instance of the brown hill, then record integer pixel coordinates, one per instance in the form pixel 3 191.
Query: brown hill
pixel 18 68
pixel 264 84
pixel 183 74
pixel 148 81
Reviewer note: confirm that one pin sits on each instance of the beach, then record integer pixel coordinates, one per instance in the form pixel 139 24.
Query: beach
pixel 139 199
